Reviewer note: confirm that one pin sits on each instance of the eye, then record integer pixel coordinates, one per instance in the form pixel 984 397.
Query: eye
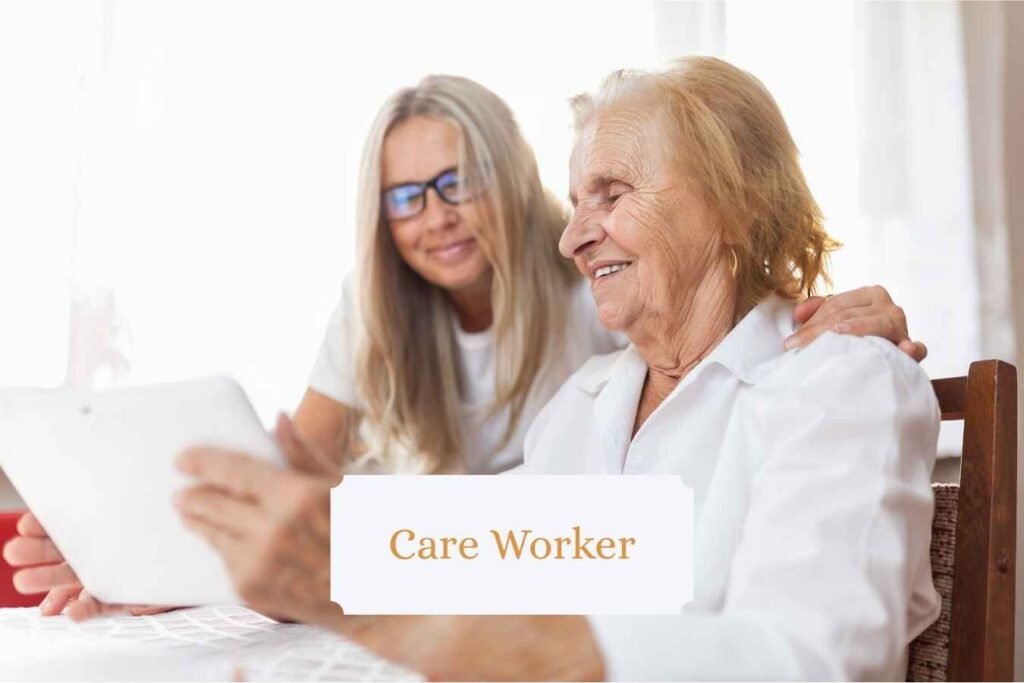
pixel 450 183
pixel 616 190
pixel 402 201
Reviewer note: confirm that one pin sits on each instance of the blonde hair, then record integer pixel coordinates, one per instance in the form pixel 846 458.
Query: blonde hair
pixel 406 366
pixel 732 142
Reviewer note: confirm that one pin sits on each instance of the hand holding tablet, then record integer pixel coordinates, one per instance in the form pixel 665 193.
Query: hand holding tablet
pixel 97 470
pixel 272 527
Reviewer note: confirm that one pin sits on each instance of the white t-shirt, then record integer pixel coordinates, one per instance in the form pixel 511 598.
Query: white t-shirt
pixel 334 375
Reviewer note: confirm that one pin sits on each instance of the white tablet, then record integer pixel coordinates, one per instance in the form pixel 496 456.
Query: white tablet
pixel 97 469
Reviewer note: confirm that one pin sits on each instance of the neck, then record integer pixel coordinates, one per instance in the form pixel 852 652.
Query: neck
pixel 674 343
pixel 473 305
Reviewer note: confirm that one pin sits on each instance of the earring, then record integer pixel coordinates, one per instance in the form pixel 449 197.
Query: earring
pixel 735 261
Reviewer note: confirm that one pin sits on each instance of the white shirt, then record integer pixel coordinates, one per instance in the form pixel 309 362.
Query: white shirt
pixel 333 374
pixel 813 505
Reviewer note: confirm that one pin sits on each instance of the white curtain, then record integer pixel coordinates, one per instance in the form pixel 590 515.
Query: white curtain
pixel 177 180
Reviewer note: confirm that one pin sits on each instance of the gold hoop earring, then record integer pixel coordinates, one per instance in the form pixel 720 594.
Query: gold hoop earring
pixel 735 261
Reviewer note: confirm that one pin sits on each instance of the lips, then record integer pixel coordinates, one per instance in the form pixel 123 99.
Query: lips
pixel 452 251
pixel 605 269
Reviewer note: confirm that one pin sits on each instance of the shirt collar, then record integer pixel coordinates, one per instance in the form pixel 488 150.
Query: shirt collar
pixel 747 351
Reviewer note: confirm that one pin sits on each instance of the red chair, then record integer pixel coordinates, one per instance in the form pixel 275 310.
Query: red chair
pixel 8 596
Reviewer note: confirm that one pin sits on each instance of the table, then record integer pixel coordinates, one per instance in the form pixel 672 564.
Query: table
pixel 200 643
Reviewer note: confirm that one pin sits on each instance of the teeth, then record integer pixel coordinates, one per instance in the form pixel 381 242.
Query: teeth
pixel 608 270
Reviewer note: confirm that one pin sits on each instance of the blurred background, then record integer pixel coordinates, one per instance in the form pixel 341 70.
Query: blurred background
pixel 177 180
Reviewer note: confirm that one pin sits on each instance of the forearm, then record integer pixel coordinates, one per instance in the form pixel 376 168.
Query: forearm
pixel 329 428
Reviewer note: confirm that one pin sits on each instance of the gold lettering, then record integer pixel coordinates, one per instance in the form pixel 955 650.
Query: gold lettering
pixel 582 547
pixel 545 545
pixel 510 541
pixel 512 544
pixel 604 545
pixel 394 543
pixel 467 544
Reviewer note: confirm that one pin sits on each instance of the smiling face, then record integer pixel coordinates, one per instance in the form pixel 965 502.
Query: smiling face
pixel 639 232
pixel 440 242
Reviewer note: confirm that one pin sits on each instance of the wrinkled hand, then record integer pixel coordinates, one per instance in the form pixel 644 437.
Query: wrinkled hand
pixel 47 572
pixel 868 311
pixel 270 525
pixel 482 648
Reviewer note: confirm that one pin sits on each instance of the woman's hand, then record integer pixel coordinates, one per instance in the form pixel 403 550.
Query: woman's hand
pixel 868 311
pixel 272 527
pixel 47 572
pixel 482 648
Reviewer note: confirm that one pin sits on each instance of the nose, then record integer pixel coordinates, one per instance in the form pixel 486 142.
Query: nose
pixel 437 214
pixel 582 232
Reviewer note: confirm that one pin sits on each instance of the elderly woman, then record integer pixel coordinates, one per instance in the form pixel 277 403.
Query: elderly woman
pixel 696 229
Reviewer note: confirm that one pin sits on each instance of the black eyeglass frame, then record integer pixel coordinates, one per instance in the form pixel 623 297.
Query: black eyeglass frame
pixel 433 183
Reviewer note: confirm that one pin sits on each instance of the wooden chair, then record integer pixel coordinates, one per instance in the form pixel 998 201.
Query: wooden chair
pixel 973 535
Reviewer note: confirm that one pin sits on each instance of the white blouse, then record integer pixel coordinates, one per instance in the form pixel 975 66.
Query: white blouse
pixel 811 477
pixel 333 374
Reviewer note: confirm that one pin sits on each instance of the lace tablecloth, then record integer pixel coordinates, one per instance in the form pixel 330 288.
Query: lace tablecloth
pixel 200 643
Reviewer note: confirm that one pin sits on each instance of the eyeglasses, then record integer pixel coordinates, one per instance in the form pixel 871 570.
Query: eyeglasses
pixel 409 199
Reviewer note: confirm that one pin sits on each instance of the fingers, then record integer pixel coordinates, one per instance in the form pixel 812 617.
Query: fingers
pixel 915 349
pixel 55 601
pixel 219 508
pixel 874 299
pixel 22 551
pixel 234 472
pixel 875 295
pixel 867 311
pixel 28 525
pixel 824 320
pixel 806 334
pixel 88 607
pixel 806 309
pixel 42 579
pixel 147 610
pixel 226 544
pixel 880 325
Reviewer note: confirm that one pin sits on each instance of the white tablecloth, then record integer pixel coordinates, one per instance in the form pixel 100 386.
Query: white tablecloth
pixel 200 643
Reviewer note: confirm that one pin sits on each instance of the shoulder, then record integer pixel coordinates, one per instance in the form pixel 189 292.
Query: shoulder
pixel 344 306
pixel 863 388
pixel 836 358
pixel 333 373
pixel 349 287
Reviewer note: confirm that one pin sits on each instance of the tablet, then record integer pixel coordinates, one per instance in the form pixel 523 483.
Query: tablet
pixel 97 469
